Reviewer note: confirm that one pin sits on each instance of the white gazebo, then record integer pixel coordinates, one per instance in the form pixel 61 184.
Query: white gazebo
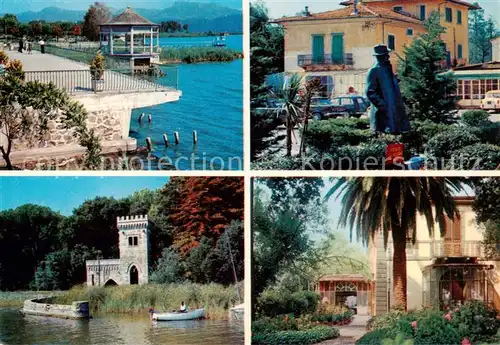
pixel 131 36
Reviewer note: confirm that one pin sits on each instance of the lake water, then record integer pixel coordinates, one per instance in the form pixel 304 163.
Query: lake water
pixel 211 104
pixel 233 42
pixel 115 330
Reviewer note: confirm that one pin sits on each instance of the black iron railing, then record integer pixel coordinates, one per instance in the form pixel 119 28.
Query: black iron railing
pixel 77 81
pixel 307 60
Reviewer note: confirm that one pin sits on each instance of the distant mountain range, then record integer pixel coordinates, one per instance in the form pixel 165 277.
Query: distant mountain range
pixel 201 17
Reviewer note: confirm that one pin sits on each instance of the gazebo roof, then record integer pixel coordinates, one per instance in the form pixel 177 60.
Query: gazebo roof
pixel 130 17
pixel 343 277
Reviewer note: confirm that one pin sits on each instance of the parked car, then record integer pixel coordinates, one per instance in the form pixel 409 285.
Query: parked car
pixel 324 108
pixel 491 101
pixel 271 106
pixel 356 105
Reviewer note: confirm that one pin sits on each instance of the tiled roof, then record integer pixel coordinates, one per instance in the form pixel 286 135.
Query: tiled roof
pixel 398 2
pixel 363 11
pixel 343 277
pixel 129 17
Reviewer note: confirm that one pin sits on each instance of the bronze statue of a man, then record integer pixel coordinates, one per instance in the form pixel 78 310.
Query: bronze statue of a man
pixel 388 113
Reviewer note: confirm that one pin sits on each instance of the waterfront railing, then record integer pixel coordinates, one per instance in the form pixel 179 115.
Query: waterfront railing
pixel 80 81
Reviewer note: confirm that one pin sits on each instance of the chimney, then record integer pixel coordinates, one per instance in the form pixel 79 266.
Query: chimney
pixel 354 8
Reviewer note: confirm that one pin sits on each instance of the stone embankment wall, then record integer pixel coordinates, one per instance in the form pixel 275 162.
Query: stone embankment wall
pixel 43 307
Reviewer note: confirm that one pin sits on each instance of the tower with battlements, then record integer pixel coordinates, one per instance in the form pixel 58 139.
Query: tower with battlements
pixel 133 264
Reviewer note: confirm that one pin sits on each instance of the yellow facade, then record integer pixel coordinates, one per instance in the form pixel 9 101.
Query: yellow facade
pixel 456 33
pixel 422 254
pixel 360 36
pixel 361 33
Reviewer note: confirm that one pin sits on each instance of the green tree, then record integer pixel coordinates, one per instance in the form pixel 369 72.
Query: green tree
pixel 427 92
pixel 169 268
pixel 27 234
pixel 267 48
pixel 9 23
pixel 390 205
pixel 26 109
pixel 481 31
pixel 96 15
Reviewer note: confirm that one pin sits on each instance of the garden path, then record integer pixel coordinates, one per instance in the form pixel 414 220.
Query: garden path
pixel 351 332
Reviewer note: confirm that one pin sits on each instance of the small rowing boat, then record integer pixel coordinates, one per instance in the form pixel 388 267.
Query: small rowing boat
pixel 179 316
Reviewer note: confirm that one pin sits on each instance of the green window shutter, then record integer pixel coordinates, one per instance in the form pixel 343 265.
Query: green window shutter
pixel 459 17
pixel 318 48
pixel 409 32
pixel 338 48
pixel 422 12
pixel 391 42
pixel 398 8
pixel 460 51
pixel 449 15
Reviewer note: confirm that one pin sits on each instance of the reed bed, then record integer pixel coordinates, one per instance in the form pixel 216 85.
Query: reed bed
pixel 15 299
pixel 136 299
pixel 198 54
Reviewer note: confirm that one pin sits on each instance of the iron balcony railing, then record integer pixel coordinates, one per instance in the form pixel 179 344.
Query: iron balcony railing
pixel 457 249
pixel 80 81
pixel 443 248
pixel 308 60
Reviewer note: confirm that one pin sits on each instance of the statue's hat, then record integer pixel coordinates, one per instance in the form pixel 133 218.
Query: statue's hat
pixel 381 49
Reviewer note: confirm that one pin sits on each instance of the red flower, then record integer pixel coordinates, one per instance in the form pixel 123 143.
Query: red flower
pixel 466 341
pixel 447 317
pixel 414 324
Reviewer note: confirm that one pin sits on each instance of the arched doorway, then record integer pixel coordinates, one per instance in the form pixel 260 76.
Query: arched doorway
pixel 110 282
pixel 134 276
pixel 452 287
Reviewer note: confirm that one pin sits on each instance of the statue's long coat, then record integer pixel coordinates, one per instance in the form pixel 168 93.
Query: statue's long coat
pixel 388 113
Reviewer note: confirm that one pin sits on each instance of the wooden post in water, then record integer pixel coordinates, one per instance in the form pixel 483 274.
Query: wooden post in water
pixel 149 144
pixel 195 137
pixel 176 137
pixel 140 117
pixel 165 139
pixel 150 118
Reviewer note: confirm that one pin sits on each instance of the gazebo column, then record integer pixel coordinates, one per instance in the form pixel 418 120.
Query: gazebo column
pixel 111 42
pixel 132 41
pixel 151 42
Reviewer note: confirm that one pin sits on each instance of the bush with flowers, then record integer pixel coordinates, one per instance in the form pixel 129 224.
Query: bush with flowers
pixel 471 323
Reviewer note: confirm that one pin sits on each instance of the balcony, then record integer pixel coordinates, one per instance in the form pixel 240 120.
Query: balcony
pixel 325 61
pixel 457 249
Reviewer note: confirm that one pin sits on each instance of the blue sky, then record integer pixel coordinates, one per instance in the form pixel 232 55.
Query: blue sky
pixel 63 194
pixel 17 6
pixel 278 8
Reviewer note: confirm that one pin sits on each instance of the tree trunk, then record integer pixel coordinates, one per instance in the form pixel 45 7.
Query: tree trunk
pixel 6 157
pixel 288 134
pixel 399 276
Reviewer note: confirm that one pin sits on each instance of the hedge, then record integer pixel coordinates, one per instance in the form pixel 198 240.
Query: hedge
pixel 305 337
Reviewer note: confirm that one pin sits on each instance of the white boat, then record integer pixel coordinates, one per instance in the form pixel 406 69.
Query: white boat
pixel 179 316
pixel 238 312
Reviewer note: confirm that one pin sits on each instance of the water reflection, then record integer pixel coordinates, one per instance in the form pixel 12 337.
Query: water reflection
pixel 115 329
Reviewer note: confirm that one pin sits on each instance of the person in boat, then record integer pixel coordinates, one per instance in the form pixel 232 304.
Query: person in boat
pixel 183 308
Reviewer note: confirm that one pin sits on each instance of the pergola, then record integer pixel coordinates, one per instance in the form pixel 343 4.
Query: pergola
pixel 130 35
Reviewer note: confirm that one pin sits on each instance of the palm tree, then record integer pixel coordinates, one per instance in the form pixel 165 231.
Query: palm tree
pixel 287 95
pixel 390 205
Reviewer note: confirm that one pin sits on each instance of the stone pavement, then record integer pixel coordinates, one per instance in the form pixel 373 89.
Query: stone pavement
pixel 66 75
pixel 351 332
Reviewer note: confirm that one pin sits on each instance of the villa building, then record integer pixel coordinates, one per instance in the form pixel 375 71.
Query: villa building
pixel 133 264
pixel 442 271
pixel 337 46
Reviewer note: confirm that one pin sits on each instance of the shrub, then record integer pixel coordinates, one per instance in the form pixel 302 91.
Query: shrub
pixel 304 337
pixel 279 302
pixel 384 321
pixel 336 319
pixel 97 66
pixel 475 118
pixel 281 323
pixel 323 136
pixel 444 145
pixel 375 337
pixel 15 67
pixel 278 162
pixel 476 321
pixel 4 58
pixel 475 157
